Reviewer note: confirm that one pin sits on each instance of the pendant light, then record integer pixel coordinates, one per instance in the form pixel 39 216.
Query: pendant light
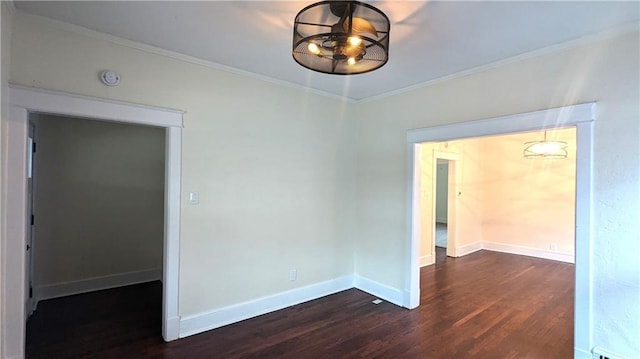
pixel 341 37
pixel 545 148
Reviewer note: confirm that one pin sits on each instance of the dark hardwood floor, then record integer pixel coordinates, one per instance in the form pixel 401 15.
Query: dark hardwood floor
pixel 484 305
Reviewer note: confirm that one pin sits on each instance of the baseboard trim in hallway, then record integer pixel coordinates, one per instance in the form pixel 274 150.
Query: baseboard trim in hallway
pixel 64 289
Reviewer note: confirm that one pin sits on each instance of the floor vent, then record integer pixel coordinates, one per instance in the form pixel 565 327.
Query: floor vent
pixel 604 354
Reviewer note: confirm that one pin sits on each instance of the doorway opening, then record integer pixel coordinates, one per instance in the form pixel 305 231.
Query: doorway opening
pixel 25 101
pixel 579 116
pixel 440 215
pixel 442 188
pixel 440 218
pixel 446 173
pixel 97 222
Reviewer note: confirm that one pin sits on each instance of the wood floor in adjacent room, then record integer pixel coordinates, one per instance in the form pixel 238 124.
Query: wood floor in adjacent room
pixel 484 305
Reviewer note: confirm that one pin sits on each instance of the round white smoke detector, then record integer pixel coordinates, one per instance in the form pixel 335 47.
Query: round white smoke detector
pixel 110 78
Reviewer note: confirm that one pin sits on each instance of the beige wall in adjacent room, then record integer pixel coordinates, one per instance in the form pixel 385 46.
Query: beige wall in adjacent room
pixel 529 202
pixel 502 196
pixel 98 200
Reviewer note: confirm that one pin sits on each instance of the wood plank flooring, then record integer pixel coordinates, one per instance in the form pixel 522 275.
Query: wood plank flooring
pixel 484 305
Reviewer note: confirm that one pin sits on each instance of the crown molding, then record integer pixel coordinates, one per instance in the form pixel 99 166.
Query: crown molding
pixel 80 30
pixel 585 40
pixel 10 5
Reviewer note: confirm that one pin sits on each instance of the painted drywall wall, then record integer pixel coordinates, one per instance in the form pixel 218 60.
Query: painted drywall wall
pixel 605 71
pixel 529 202
pixel 274 174
pixel 442 184
pixel 98 199
pixel 6 19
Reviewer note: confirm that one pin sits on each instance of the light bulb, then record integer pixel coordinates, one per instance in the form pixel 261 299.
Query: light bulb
pixel 313 48
pixel 354 41
pixel 351 61
pixel 544 148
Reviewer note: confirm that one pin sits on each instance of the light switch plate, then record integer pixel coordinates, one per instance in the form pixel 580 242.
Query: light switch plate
pixel 194 198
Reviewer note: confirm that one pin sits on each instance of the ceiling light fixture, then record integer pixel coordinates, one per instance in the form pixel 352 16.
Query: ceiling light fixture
pixel 341 37
pixel 545 149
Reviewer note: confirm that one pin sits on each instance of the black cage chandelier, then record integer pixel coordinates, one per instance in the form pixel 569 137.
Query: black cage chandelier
pixel 341 37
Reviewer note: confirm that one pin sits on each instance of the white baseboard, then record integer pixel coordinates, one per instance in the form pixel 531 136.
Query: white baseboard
pixel 199 323
pixel 468 249
pixel 382 291
pixel 513 249
pixel 426 260
pixel 528 251
pixel 97 283
pixel 194 324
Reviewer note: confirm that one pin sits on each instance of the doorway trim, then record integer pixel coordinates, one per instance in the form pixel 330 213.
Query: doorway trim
pixel 25 100
pixel 582 116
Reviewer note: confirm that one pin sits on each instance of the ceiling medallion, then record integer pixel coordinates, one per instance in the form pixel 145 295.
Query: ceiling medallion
pixel 341 37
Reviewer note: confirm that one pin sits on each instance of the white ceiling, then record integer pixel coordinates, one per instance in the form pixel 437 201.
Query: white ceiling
pixel 429 39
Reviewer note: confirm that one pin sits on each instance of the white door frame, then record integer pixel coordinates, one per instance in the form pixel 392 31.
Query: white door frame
pixel 31 299
pixel 452 200
pixel 24 100
pixel 582 117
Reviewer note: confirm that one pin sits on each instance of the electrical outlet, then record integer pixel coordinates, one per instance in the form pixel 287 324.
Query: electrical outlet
pixel 293 275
